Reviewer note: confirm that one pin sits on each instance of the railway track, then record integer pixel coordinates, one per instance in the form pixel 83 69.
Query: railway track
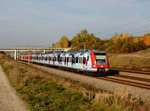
pixel 141 82
pixel 124 79
pixel 126 82
pixel 131 71
pixel 133 78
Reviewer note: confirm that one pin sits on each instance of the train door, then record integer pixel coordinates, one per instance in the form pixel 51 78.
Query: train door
pixel 89 63
pixel 85 61
pixel 74 60
pixel 80 59
pixel 70 61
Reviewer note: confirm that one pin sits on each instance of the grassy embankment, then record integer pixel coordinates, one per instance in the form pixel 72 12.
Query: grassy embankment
pixel 138 60
pixel 47 92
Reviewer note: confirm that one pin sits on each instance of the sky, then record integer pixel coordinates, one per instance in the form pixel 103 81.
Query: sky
pixel 40 23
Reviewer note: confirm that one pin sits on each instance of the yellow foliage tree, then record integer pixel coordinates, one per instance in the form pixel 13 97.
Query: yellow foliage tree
pixel 115 38
pixel 62 43
pixel 147 40
pixel 124 36
pixel 136 40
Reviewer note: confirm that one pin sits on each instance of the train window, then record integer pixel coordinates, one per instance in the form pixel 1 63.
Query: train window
pixel 54 58
pixel 45 58
pixel 70 59
pixel 84 60
pixel 100 53
pixel 76 59
pixel 58 58
pixel 48 58
pixel 63 59
pixel 67 59
pixel 100 58
pixel 88 58
pixel 80 59
pixel 73 59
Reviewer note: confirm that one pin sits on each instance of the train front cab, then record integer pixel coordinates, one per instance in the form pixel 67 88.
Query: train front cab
pixel 99 62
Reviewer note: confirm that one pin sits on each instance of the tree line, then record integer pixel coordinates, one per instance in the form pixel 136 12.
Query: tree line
pixel 118 43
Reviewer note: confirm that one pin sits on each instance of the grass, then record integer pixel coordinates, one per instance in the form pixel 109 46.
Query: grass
pixel 139 60
pixel 47 92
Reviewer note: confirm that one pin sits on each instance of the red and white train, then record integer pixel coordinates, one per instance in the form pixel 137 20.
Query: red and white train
pixel 95 62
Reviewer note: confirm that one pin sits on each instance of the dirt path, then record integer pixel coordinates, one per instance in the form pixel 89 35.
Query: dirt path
pixel 8 98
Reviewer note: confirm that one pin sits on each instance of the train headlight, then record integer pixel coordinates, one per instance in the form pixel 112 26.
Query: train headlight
pixel 101 66
pixel 106 69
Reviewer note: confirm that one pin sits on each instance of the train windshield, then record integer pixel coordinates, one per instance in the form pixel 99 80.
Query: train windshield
pixel 100 58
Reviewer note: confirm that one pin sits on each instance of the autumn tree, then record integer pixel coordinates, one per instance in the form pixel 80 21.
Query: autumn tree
pixel 62 43
pixel 84 40
pixel 114 39
pixel 147 39
pixel 118 43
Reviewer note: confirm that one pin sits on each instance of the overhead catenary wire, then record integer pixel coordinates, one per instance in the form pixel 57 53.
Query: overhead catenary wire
pixel 134 27
pixel 144 31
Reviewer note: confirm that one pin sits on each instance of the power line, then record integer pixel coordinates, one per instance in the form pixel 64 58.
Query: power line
pixel 127 24
pixel 144 31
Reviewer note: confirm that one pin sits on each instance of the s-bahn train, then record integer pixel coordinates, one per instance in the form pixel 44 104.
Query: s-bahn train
pixel 95 62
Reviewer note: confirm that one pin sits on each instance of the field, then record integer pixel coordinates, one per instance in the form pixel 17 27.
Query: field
pixel 139 60
pixel 46 92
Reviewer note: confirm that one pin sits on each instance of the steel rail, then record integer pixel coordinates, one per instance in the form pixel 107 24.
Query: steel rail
pixel 130 83
pixel 133 78
pixel 131 71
